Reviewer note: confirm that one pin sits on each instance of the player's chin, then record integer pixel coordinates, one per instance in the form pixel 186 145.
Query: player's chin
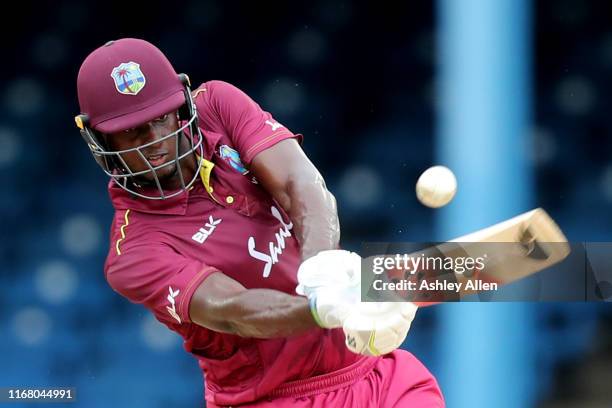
pixel 166 172
pixel 163 175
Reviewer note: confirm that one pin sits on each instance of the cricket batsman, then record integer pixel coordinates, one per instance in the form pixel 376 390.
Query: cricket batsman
pixel 226 232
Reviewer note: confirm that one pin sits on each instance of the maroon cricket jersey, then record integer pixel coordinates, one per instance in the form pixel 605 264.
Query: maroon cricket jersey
pixel 162 250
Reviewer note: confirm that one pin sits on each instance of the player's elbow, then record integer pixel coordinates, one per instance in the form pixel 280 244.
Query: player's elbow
pixel 308 187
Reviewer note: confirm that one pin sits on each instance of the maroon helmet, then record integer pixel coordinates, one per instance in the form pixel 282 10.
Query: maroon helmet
pixel 127 83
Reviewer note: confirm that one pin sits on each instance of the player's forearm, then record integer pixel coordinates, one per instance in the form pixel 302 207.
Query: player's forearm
pixel 222 304
pixel 266 313
pixel 314 215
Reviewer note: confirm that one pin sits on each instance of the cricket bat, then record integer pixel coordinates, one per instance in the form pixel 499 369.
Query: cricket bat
pixel 513 249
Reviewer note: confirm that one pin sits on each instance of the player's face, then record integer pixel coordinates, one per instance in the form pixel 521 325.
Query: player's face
pixel 156 154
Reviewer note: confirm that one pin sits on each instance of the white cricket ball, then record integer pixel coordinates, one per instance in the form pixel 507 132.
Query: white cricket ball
pixel 436 187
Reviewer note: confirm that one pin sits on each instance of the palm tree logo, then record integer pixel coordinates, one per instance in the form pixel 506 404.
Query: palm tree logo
pixel 129 79
pixel 232 157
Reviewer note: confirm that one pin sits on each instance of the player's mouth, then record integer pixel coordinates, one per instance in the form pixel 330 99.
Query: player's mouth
pixel 157 159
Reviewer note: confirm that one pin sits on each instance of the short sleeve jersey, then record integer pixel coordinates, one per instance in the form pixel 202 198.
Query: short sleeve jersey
pixel 162 250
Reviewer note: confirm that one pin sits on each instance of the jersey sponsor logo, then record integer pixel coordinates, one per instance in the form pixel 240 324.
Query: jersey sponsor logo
pixel 274 125
pixel 208 228
pixel 129 79
pixel 274 248
pixel 232 157
pixel 171 298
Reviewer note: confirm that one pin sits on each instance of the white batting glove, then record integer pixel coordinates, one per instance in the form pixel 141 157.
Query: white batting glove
pixel 375 328
pixel 332 282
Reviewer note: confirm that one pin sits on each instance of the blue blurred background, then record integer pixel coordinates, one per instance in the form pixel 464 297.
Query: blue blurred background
pixel 511 94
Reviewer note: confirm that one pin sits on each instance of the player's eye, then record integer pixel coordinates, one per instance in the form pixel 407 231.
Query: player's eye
pixel 162 118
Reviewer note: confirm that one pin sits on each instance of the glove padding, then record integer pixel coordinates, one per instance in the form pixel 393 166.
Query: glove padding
pixel 332 282
pixel 375 328
pixel 334 267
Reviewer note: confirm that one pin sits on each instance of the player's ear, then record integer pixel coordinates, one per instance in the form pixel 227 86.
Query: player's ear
pixel 113 162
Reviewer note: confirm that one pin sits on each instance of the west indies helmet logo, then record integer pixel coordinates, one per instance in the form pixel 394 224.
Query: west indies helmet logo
pixel 232 157
pixel 129 79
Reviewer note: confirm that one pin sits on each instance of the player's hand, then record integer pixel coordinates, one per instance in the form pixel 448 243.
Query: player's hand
pixel 375 328
pixel 332 282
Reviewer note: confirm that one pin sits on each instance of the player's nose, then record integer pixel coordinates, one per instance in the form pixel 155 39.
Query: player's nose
pixel 153 133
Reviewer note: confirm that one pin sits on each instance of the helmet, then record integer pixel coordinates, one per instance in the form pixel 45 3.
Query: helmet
pixel 127 83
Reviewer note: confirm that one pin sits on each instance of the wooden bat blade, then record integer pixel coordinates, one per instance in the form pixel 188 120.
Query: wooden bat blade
pixel 515 248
